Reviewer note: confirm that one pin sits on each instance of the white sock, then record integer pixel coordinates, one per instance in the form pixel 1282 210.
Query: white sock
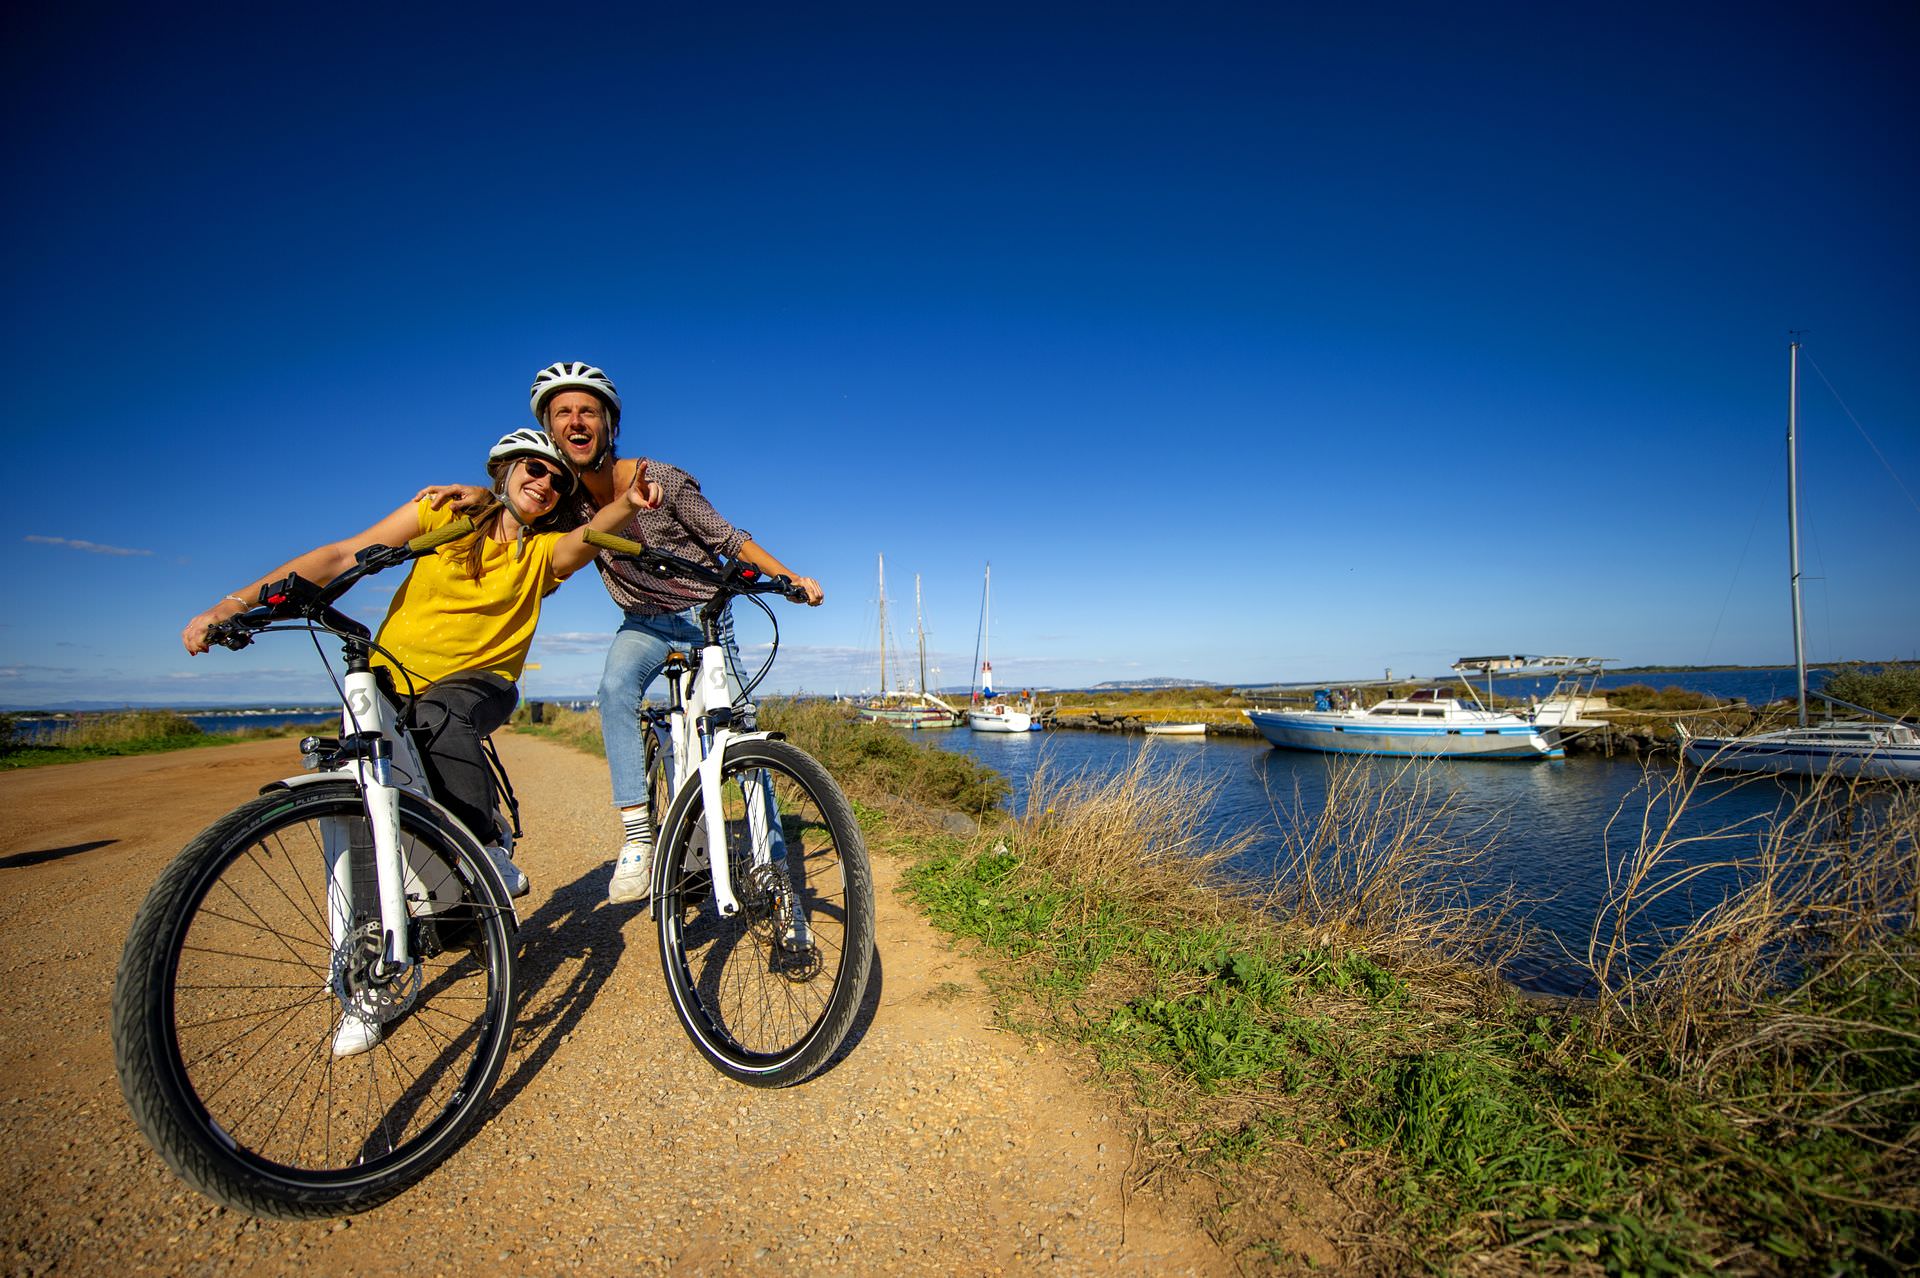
pixel 638 824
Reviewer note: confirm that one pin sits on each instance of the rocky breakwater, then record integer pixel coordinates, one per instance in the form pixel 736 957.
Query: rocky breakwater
pixel 1217 722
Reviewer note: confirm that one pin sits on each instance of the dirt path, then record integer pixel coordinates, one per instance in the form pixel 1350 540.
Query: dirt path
pixel 940 1145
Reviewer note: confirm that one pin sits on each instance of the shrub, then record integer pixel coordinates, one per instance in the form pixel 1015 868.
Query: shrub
pixel 1893 690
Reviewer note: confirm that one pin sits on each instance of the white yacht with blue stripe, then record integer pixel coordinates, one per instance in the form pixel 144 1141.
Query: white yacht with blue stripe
pixel 1427 723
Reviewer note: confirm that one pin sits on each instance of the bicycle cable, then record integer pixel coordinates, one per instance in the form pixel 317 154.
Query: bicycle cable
pixel 773 648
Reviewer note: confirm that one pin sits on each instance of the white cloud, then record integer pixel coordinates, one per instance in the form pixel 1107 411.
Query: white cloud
pixel 91 547
pixel 570 642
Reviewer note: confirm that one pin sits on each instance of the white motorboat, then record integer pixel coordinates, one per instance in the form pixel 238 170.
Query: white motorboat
pixel 1176 729
pixel 1427 723
pixel 1874 746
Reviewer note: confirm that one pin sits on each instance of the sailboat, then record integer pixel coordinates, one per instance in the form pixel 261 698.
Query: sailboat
pixel 1875 746
pixel 986 713
pixel 901 709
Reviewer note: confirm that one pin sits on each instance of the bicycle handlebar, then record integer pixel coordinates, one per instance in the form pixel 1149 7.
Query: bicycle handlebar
pixel 295 597
pixel 736 578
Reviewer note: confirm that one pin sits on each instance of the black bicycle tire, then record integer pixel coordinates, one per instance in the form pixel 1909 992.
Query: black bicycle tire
pixel 811 1050
pixel 155 1081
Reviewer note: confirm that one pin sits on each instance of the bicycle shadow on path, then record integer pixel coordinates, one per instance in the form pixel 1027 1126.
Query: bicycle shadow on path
pixel 575 928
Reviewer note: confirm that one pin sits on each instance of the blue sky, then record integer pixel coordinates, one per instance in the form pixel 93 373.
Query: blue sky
pixel 1249 343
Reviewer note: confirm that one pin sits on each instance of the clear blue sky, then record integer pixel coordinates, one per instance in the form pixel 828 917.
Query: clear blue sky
pixel 1248 342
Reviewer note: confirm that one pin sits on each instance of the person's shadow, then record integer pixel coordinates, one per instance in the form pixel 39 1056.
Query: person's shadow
pixel 576 923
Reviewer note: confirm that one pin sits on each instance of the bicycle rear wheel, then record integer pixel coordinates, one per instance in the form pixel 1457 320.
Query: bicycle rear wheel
pixel 769 994
pixel 239 970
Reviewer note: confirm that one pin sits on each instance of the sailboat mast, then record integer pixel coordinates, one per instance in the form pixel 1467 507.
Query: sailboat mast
pixel 1793 524
pixel 920 628
pixel 883 625
pixel 986 612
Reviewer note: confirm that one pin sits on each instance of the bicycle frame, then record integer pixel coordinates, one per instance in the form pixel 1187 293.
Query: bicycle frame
pixel 381 760
pixel 699 727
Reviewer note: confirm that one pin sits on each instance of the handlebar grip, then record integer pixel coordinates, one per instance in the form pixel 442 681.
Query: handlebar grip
pixel 441 536
pixel 619 545
pixel 225 634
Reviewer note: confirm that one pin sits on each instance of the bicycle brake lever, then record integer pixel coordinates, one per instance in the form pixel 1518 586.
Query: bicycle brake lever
pixel 228 636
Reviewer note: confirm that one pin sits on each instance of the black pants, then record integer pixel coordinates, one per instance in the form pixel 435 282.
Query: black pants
pixel 449 720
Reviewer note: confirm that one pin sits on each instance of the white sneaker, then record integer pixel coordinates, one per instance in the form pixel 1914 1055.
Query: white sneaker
pixel 356 1034
pixel 632 874
pixel 516 879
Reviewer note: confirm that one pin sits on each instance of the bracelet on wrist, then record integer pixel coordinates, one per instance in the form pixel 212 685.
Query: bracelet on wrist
pixel 237 599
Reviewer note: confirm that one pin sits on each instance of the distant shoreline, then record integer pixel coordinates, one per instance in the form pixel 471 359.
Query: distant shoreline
pixel 255 708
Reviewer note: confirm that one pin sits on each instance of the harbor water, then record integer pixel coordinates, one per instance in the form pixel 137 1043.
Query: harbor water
pixel 1548 829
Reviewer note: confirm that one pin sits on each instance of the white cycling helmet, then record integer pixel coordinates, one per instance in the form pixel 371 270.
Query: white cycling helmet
pixel 574 375
pixel 531 443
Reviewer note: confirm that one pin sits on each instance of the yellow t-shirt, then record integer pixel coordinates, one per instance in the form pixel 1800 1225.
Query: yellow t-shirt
pixel 443 622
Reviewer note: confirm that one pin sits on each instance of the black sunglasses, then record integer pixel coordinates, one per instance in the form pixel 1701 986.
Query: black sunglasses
pixel 537 469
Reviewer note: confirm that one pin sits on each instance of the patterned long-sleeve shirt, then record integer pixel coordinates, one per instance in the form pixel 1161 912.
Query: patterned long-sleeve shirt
pixel 685 524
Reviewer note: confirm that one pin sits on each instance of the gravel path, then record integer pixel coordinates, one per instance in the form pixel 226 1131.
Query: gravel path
pixel 939 1145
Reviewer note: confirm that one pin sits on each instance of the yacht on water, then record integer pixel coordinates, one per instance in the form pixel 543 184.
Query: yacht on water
pixel 1426 723
pixel 986 713
pixel 1875 745
pixel 900 708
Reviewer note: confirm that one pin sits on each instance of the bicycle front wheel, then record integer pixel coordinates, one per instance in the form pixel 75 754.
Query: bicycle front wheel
pixel 231 1009
pixel 768 994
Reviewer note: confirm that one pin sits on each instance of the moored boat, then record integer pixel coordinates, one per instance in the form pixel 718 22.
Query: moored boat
pixel 903 709
pixel 1875 746
pixel 1427 723
pixel 985 712
pixel 1176 729
pixel 1888 751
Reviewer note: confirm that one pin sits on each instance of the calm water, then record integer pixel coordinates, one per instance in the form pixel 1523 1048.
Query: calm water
pixel 1549 819
pixel 217 721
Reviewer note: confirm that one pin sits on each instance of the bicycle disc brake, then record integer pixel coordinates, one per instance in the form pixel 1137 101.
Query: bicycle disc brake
pixel 773 909
pixel 378 998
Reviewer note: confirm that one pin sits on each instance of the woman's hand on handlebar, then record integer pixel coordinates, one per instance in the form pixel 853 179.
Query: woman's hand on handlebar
pixel 807 591
pixel 195 635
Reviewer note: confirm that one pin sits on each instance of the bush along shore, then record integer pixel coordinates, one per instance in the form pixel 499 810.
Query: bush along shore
pixel 1328 1069
pixel 103 736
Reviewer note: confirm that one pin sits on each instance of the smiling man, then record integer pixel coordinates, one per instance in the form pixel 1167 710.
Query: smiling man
pixel 579 407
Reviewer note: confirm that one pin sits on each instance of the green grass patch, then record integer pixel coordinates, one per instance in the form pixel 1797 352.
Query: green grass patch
pixel 1498 1135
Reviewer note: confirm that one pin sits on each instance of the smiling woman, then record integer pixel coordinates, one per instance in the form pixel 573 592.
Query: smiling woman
pixel 457 632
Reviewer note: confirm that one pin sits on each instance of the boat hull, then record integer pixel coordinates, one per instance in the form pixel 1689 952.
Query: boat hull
pixel 1176 729
pixel 1337 733
pixel 1786 754
pixel 911 717
pixel 1000 719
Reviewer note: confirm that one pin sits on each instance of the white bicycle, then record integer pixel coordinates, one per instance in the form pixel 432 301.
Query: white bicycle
pixel 348 891
pixel 762 895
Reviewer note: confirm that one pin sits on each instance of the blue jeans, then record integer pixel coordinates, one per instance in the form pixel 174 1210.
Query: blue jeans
pixel 639 650
pixel 634 660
